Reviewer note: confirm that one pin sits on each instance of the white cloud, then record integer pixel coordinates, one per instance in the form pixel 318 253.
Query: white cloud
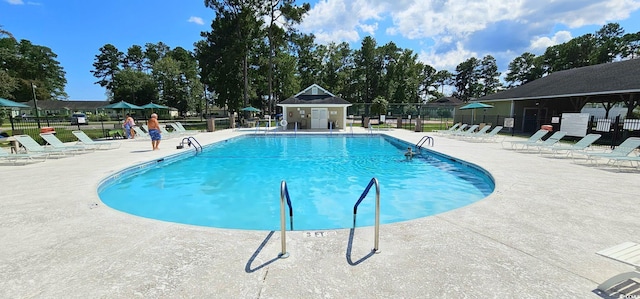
pixel 197 20
pixel 448 60
pixel 341 20
pixel 539 44
pixel 447 32
pixel 15 2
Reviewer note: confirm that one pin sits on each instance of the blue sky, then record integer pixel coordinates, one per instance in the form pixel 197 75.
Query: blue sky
pixel 443 33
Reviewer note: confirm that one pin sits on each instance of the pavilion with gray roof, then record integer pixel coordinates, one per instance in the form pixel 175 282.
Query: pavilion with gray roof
pixel 569 91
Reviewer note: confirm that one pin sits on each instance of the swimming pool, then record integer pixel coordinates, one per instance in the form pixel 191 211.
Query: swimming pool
pixel 236 183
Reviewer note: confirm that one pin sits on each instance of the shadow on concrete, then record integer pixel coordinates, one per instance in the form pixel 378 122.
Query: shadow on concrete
pixel 627 289
pixel 248 268
pixel 350 245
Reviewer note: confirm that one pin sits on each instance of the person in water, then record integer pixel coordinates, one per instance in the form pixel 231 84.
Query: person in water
pixel 409 154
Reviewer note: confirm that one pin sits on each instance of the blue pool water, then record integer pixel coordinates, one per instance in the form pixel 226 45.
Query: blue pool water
pixel 236 183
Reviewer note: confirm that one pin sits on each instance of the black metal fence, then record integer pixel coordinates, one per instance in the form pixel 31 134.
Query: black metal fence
pixel 63 127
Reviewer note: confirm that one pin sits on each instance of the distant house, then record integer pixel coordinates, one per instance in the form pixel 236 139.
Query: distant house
pixel 536 102
pixel 315 108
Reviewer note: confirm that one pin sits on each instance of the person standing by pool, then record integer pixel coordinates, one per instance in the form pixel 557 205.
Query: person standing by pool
pixel 128 127
pixel 154 131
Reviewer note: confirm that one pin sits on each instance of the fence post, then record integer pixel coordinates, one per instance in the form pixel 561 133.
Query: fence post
pixel 616 129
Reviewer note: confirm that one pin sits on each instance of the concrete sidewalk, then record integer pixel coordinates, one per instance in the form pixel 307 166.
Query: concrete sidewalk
pixel 534 237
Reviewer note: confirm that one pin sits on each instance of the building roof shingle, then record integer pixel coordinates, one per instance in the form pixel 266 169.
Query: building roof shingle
pixel 596 80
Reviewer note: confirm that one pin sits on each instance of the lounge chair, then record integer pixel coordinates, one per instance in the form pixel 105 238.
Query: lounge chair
pixel 617 161
pixel 182 128
pixel 166 134
pixel 581 146
pixel 458 130
pixel 26 158
pixel 33 147
pixel 451 129
pixel 86 140
pixel 53 141
pixel 626 253
pixel 472 134
pixel 620 152
pixel 535 138
pixel 140 134
pixel 551 141
pixel 179 130
pixel 491 136
pixel 469 131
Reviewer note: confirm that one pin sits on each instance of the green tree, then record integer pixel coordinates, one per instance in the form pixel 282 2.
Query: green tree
pixel 608 43
pixel 467 79
pixel 489 76
pixel 154 52
pixel 367 69
pixel 134 58
pixel 134 86
pixel 32 65
pixel 227 48
pixel 379 106
pixel 106 65
pixel 282 15
pixel 309 64
pixel 630 45
pixel 524 69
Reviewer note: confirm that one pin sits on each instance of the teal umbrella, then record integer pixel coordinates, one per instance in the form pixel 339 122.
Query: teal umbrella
pixel 474 106
pixel 152 105
pixel 122 105
pixel 9 103
pixel 250 109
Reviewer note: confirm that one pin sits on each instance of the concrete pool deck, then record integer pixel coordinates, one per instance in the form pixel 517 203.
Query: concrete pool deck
pixel 534 237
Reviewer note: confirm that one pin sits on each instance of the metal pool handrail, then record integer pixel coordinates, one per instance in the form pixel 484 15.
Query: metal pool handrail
pixel 377 221
pixel 191 141
pixel 284 194
pixel 427 139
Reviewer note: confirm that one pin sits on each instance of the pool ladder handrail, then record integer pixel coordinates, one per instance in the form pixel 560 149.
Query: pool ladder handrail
pixel 364 194
pixel 427 139
pixel 284 194
pixel 191 141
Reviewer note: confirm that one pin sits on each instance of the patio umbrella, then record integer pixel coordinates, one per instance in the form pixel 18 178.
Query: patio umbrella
pixel 123 105
pixel 9 103
pixel 250 109
pixel 152 105
pixel 473 107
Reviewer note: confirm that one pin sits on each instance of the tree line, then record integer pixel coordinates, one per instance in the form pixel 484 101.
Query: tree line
pixel 254 55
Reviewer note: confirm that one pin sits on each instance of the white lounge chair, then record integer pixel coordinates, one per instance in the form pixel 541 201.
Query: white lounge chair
pixel 182 128
pixel 491 136
pixel 452 128
pixel 86 140
pixel 551 141
pixel 140 134
pixel 480 132
pixel 458 130
pixel 581 146
pixel 33 147
pixel 620 152
pixel 535 138
pixel 627 253
pixel 469 131
pixel 178 130
pixel 26 157
pixel 53 141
